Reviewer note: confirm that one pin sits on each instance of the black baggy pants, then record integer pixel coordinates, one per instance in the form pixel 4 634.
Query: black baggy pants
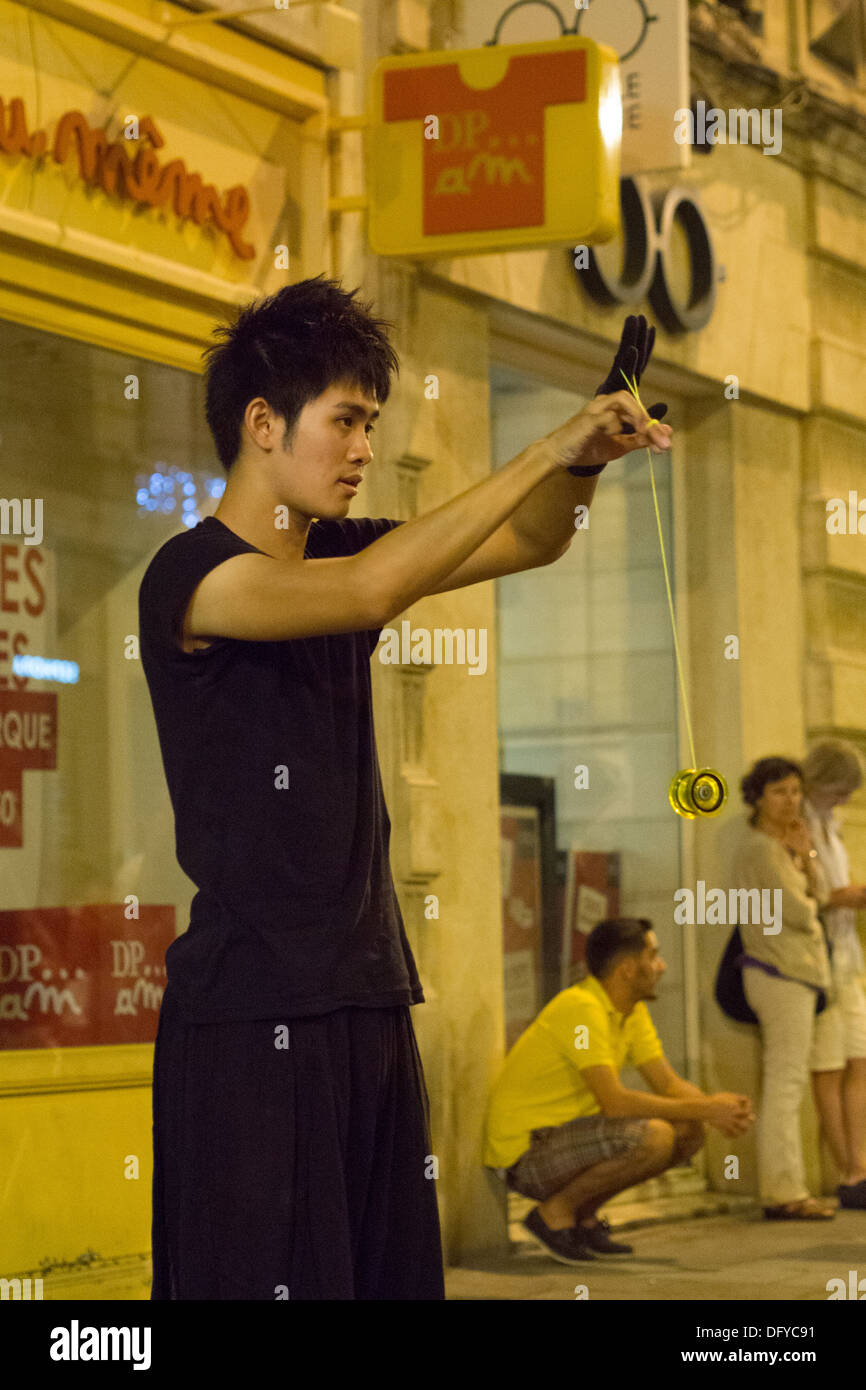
pixel 293 1173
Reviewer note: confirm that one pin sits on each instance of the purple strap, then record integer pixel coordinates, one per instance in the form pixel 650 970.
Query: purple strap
pixel 771 970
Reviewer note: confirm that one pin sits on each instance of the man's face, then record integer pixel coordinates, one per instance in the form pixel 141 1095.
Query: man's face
pixel 649 968
pixel 331 442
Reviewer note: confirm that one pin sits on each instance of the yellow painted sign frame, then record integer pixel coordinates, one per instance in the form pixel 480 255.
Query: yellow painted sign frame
pixel 523 150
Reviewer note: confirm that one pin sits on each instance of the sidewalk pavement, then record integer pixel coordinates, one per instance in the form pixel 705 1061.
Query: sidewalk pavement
pixel 735 1256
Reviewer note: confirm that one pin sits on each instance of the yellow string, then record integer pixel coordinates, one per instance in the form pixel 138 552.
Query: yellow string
pixel 632 386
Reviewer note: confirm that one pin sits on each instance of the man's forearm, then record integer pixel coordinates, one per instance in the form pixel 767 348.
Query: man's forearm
pixel 545 520
pixel 680 1089
pixel 406 563
pixel 641 1105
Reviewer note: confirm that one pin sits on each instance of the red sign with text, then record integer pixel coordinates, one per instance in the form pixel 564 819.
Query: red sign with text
pixel 504 146
pixel 82 976
pixel 591 895
pixel 504 127
pixel 522 939
pixel 28 740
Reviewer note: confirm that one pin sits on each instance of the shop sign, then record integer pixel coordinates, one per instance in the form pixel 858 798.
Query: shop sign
pixel 82 976
pixel 28 741
pixel 142 178
pixel 28 718
pixel 487 149
pixel 522 935
pixel 651 38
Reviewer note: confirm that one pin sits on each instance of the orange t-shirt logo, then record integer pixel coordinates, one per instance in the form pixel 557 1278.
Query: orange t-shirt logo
pixel 486 170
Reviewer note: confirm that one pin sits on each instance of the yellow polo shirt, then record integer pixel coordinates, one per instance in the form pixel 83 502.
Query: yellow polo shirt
pixel 541 1082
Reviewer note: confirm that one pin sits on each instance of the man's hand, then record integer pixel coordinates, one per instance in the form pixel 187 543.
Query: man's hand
pixel 729 1113
pixel 613 423
pixel 597 434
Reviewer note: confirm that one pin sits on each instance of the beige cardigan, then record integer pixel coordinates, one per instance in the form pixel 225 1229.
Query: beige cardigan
pixel 799 949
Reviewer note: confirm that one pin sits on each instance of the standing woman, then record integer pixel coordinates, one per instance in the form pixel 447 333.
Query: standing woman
pixel 785 970
pixel 832 771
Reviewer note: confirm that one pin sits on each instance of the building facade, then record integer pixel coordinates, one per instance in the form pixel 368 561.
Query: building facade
pixel 107 297
pixel 766 403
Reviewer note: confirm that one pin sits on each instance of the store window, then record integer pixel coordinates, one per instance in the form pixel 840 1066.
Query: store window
pixel 587 679
pixel 111 455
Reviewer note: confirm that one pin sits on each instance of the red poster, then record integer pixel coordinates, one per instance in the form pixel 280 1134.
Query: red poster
pixel 520 860
pixel 28 740
pixel 81 976
pixel 591 895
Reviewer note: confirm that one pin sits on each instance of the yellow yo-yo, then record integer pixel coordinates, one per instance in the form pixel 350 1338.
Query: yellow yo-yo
pixel 696 792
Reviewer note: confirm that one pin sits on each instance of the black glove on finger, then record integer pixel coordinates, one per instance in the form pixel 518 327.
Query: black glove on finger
pixel 632 355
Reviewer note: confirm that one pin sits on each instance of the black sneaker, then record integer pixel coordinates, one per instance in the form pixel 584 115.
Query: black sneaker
pixel 567 1246
pixel 853 1195
pixel 598 1238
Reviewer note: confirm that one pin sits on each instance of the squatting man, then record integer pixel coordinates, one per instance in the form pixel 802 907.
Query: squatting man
pixel 561 1127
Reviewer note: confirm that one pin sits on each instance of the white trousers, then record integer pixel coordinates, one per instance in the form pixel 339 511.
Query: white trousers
pixel 791 1036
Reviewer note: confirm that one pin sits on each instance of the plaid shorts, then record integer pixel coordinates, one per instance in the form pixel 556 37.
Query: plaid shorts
pixel 557 1153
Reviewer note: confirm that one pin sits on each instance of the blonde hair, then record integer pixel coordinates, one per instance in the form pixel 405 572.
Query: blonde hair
pixel 833 761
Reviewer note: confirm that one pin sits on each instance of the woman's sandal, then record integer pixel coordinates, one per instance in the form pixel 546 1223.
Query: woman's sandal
pixel 806 1210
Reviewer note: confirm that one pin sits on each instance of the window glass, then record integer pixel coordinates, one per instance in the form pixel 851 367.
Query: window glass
pixel 587 677
pixel 110 455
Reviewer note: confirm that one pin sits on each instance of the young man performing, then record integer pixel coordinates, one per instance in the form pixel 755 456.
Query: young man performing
pixel 570 1133
pixel 291 1125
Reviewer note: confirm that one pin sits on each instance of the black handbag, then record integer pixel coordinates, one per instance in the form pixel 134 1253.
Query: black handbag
pixel 730 995
pixel 729 992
